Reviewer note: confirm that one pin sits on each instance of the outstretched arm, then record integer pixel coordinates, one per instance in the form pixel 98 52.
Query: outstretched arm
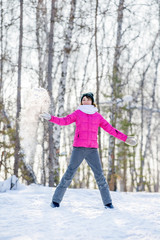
pixel 114 132
pixel 60 121
pixel 111 130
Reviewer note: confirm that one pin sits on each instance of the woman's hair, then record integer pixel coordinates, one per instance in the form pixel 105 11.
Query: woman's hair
pixel 90 99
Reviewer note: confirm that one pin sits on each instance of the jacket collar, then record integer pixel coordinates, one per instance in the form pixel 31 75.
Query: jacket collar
pixel 89 109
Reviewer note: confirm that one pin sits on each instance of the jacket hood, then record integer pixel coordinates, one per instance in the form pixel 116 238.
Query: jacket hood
pixel 89 109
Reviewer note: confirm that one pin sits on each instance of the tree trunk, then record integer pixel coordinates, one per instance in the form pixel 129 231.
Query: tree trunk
pixel 17 154
pixel 97 76
pixel 148 140
pixel 84 80
pixel 41 37
pixel 1 41
pixel 52 174
pixel 62 88
pixel 116 90
pixel 157 185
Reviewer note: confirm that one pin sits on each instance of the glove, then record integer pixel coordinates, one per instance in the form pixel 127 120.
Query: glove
pixel 131 141
pixel 46 116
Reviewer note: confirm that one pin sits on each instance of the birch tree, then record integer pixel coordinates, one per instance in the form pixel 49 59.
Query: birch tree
pixel 62 88
pixel 42 39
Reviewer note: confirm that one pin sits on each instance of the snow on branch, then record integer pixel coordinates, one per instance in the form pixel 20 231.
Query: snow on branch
pixel 126 100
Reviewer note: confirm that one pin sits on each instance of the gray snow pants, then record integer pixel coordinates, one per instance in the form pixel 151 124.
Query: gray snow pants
pixel 92 157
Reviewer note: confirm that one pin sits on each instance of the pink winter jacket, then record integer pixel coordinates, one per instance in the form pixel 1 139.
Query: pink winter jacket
pixel 87 128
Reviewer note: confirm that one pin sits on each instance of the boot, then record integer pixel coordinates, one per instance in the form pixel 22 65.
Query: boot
pixel 109 205
pixel 54 204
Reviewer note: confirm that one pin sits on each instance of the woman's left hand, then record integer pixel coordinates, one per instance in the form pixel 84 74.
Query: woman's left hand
pixel 132 141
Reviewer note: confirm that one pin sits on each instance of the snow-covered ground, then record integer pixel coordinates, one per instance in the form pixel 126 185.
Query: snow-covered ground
pixel 25 214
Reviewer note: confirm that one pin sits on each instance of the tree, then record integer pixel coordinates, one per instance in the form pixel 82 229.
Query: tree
pixel 62 87
pixel 17 154
pixel 19 162
pixel 42 47
pixel 52 177
pixel 116 93
pixel 1 57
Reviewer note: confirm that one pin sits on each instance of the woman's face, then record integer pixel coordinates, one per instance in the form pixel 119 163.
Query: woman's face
pixel 86 101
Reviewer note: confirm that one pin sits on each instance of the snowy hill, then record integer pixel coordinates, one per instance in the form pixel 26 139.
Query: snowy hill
pixel 25 214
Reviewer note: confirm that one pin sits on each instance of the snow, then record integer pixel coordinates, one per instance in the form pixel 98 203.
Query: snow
pixel 37 101
pixel 8 184
pixel 25 214
pixel 127 98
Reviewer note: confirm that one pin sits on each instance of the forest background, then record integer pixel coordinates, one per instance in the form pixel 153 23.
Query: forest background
pixel 111 48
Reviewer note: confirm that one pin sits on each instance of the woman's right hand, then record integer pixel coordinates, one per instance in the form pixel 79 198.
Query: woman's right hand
pixel 45 115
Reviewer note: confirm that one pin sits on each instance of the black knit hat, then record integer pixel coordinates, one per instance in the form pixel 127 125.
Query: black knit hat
pixel 89 95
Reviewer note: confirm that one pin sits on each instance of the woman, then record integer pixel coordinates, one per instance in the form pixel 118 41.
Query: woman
pixel 85 145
